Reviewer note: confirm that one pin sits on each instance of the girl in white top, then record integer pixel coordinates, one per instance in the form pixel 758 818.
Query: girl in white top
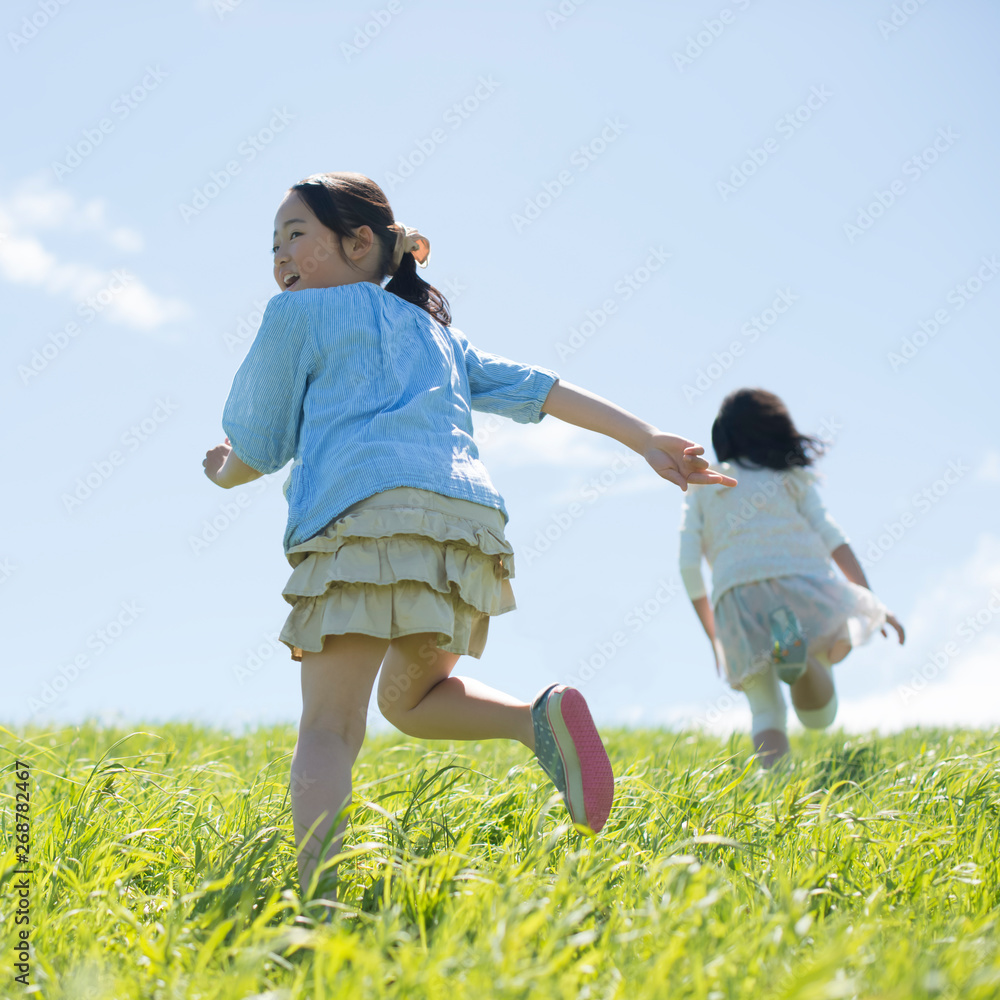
pixel 780 610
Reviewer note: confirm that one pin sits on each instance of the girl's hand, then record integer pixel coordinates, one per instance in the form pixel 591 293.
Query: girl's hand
pixel 894 622
pixel 216 459
pixel 679 461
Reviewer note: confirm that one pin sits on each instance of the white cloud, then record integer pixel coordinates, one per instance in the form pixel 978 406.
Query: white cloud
pixel 575 456
pixel 136 306
pixel 550 442
pixel 989 470
pixel 939 610
pixel 581 459
pixel 24 260
pixel 968 694
pixel 35 204
pixel 126 239
pixel 729 713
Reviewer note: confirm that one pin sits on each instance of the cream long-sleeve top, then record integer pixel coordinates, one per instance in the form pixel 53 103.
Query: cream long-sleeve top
pixel 772 524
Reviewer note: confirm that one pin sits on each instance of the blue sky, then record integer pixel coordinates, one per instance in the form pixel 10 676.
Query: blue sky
pixel 620 192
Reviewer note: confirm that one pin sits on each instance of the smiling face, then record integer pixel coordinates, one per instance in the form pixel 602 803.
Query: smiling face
pixel 309 255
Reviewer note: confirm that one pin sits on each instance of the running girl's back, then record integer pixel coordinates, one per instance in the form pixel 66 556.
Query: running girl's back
pixel 368 392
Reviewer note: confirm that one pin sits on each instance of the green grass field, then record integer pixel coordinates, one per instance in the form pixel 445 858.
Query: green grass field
pixel 164 867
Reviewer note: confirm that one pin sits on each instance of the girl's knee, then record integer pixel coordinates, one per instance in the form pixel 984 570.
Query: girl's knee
pixel 412 667
pixel 818 718
pixel 396 706
pixel 839 650
pixel 399 689
pixel 828 653
pixel 348 730
pixel 389 704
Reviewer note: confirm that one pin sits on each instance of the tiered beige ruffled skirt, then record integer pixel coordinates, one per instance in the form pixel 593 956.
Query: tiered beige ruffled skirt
pixel 401 562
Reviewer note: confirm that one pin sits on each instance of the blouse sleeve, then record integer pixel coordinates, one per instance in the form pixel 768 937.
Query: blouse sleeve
pixel 263 413
pixel 690 548
pixel 498 385
pixel 810 506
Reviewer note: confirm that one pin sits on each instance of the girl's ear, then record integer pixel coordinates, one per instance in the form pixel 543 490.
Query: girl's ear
pixel 360 243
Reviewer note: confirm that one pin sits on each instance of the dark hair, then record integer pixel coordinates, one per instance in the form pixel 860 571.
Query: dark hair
pixel 754 428
pixel 344 202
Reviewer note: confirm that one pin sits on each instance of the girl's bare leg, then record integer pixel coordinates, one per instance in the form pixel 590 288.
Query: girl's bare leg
pixel 814 688
pixel 418 695
pixel 336 688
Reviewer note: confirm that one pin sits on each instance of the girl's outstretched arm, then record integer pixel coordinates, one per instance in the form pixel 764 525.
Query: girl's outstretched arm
pixel 673 458
pixel 703 608
pixel 845 558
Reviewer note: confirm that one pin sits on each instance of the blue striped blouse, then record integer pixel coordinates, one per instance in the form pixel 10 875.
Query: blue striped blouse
pixel 366 392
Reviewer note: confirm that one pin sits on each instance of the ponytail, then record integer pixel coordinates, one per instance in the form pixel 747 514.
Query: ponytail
pixel 343 202
pixel 407 284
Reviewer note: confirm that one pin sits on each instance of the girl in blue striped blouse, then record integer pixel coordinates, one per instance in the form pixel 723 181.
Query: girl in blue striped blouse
pixel 395 531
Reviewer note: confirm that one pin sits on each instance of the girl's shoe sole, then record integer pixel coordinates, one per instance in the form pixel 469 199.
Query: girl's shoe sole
pixel 590 782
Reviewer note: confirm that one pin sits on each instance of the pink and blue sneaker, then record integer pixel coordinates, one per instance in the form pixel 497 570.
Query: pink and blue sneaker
pixel 571 753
